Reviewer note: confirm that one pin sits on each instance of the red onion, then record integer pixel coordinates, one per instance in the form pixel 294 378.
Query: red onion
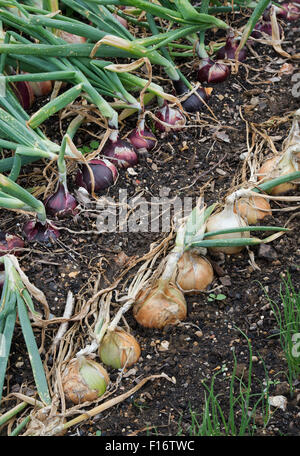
pixel 121 20
pixel 9 243
pixel 71 38
pixel 60 203
pixel 265 27
pixel 42 88
pixel 2 279
pixel 288 11
pixel 120 152
pixel 24 93
pixel 105 174
pixel 212 72
pixel 170 116
pixel 37 231
pixel 193 103
pixel 228 51
pixel 142 139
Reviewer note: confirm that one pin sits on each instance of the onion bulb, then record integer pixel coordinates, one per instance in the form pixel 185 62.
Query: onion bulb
pixel 119 349
pixel 36 231
pixel 253 208
pixel 160 305
pixel 223 220
pixel 194 273
pixel 84 380
pixel 277 167
pixel 41 88
pixel 71 38
pixel 10 243
pixel 104 172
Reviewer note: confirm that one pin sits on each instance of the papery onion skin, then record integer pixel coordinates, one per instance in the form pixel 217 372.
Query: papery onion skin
pixel 2 279
pixel 228 51
pixel 119 349
pixel 253 209
pixel 71 38
pixel 105 174
pixel 24 93
pixel 271 169
pixel 120 152
pixel 42 88
pixel 170 116
pixel 223 220
pixel 36 231
pixel 142 139
pixel 212 72
pixel 10 243
pixel 75 386
pixel 193 274
pixel 122 20
pixel 159 306
pixel 288 11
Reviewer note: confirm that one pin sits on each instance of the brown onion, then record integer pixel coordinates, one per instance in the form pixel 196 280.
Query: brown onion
pixel 276 167
pixel 84 380
pixel 223 220
pixel 253 208
pixel 194 273
pixel 119 349
pixel 160 305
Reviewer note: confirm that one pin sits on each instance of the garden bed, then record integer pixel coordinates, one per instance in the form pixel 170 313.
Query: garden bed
pixel 204 158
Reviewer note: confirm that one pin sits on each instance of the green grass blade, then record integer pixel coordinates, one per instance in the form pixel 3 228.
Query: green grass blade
pixel 34 356
pixel 6 338
pixel 244 229
pixel 54 106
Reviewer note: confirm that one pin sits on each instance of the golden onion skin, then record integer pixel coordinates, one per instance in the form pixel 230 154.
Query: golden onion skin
pixel 193 274
pixel 160 306
pixel 270 170
pixel 253 209
pixel 119 349
pixel 74 385
pixel 219 222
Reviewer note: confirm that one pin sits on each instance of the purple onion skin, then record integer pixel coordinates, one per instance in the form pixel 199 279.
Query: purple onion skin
pixel 104 175
pixel 192 103
pixel 228 51
pixel 143 139
pixel 37 232
pixel 289 12
pixel 61 203
pixel 265 27
pixel 2 279
pixel 212 72
pixel 121 153
pixel 9 243
pixel 170 116
pixel 24 93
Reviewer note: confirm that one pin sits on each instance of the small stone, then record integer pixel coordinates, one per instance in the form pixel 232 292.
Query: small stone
pixel 282 389
pixel 267 252
pixel 199 333
pixel 254 359
pixel 164 346
pixel 278 402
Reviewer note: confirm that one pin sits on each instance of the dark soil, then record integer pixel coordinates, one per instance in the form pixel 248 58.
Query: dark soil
pixel 206 343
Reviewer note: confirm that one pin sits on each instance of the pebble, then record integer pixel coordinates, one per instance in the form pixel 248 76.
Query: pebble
pixel 267 252
pixel 278 402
